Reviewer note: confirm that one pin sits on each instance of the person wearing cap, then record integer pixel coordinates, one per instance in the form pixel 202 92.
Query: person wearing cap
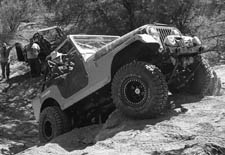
pixel 45 48
pixel 5 59
pixel 32 51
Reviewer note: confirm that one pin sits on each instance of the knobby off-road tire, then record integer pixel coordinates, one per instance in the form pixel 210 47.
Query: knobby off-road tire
pixel 53 122
pixel 139 90
pixel 200 82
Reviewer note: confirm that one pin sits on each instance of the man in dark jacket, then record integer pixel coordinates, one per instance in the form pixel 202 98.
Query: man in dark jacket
pixel 5 59
pixel 32 51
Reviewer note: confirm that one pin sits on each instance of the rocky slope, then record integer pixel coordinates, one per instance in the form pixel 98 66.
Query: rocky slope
pixel 192 126
pixel 18 129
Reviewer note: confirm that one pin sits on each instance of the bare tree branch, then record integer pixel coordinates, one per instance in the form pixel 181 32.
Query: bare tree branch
pixel 215 36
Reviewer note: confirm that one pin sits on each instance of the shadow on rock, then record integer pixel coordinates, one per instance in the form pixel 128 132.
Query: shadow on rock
pixel 118 122
pixel 15 81
pixel 81 138
pixel 77 139
pixel 176 100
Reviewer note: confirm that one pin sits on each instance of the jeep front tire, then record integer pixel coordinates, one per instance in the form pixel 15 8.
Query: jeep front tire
pixel 139 90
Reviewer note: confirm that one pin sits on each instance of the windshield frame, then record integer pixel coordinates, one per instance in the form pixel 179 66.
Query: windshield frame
pixel 63 43
pixel 106 38
pixel 89 53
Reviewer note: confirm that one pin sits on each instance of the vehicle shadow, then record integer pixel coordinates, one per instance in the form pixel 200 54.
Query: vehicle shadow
pixel 177 100
pixel 24 79
pixel 117 122
pixel 79 139
pixel 16 80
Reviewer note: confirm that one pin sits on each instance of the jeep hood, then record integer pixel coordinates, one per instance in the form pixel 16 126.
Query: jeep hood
pixel 88 45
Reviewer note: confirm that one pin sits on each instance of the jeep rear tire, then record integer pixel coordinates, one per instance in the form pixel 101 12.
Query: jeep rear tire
pixel 139 90
pixel 199 84
pixel 53 122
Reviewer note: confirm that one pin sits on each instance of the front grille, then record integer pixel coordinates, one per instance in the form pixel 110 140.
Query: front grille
pixel 163 33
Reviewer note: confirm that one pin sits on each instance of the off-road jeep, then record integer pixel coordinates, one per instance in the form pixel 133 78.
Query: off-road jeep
pixel 135 72
pixel 54 35
pixel 48 39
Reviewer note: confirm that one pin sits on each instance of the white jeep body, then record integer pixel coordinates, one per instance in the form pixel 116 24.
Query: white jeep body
pixel 97 63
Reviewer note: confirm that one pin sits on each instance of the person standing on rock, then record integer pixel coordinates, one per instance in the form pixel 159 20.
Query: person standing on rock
pixel 5 59
pixel 33 50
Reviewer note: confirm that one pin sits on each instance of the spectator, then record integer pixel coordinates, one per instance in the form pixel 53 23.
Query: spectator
pixel 45 48
pixel 33 50
pixel 5 59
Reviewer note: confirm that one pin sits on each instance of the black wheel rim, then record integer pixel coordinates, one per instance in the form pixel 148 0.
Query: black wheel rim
pixel 48 130
pixel 134 91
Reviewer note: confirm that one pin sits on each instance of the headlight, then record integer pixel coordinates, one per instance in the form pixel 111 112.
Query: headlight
pixel 155 34
pixel 196 41
pixel 152 31
pixel 175 32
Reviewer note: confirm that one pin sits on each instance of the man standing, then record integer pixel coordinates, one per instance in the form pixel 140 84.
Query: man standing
pixel 5 60
pixel 33 50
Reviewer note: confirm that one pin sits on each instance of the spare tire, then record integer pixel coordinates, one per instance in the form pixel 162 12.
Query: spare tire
pixel 139 90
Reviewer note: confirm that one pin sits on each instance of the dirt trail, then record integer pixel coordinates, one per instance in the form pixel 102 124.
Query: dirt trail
pixel 192 126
